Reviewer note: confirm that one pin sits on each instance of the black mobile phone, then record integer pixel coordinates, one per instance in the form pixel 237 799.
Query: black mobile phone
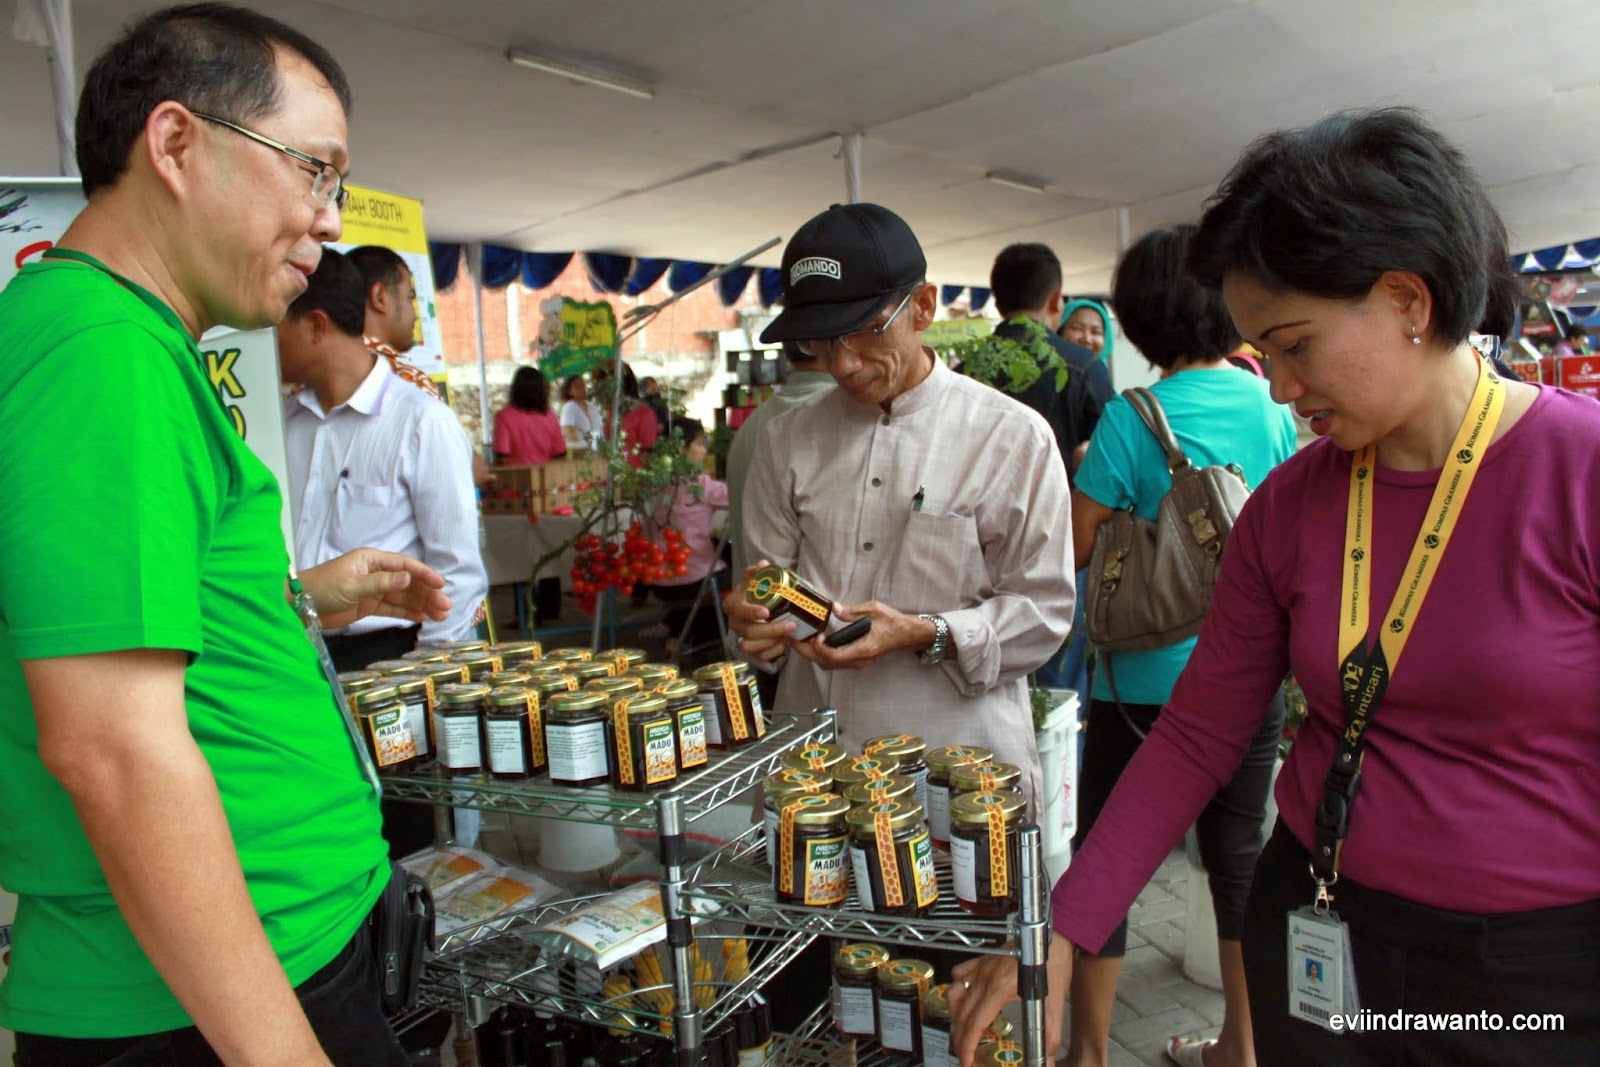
pixel 854 631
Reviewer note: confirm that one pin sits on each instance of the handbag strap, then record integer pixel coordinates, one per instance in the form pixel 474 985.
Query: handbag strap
pixel 1148 408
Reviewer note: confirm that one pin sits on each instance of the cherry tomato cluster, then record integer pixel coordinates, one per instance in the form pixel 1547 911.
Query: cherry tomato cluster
pixel 600 565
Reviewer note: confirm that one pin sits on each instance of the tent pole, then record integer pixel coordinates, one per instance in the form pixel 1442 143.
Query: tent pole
pixel 48 24
pixel 1124 238
pixel 475 252
pixel 852 168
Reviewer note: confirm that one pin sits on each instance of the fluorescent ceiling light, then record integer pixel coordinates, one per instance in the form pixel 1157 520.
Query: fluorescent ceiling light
pixel 615 83
pixel 1014 183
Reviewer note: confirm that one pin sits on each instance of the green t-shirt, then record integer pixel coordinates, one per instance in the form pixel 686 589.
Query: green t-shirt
pixel 1219 416
pixel 133 516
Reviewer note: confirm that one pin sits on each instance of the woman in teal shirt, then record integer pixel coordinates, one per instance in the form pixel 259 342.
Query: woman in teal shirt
pixel 1219 416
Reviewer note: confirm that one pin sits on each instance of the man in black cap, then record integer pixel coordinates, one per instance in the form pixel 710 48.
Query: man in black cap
pixel 927 502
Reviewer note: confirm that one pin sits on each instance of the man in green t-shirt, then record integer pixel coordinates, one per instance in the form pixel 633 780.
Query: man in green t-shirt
pixel 186 823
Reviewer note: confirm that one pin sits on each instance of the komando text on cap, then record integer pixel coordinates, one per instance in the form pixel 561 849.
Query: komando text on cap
pixel 841 268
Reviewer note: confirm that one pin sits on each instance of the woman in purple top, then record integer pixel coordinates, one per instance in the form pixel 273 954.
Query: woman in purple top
pixel 1355 254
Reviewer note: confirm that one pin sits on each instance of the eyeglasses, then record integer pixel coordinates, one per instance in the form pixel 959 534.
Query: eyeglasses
pixel 858 341
pixel 327 188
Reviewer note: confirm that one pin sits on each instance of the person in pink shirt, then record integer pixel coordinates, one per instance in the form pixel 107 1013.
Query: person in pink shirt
pixel 640 428
pixel 691 511
pixel 1438 844
pixel 526 431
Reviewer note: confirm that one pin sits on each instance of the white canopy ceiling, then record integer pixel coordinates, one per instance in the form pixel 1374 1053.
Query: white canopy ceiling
pixel 1140 104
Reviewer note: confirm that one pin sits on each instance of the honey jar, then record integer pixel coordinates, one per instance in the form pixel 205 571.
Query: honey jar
pixel 641 741
pixel 983 778
pixel 575 738
pixel 513 733
pixel 810 865
pixel 416 693
pixel 940 761
pixel 877 790
pixel 623 660
pixel 786 595
pixel 386 729
pixel 855 983
pixel 479 665
pixel 733 707
pixel 984 851
pixel 908 749
pixel 353 682
pixel 683 701
pixel 817 756
pixel 891 856
pixel 779 787
pixel 457 715
pixel 901 985
pixel 515 652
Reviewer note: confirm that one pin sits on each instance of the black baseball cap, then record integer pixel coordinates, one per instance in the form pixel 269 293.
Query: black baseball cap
pixel 840 268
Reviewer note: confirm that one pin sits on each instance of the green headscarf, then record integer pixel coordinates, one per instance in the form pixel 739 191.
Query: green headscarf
pixel 1105 317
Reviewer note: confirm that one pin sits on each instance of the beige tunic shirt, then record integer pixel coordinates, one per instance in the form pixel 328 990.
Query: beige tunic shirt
pixel 830 494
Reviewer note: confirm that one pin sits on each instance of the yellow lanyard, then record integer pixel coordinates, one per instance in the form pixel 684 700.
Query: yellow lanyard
pixel 1365 667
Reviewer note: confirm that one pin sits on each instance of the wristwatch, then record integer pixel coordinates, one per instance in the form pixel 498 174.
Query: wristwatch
pixel 941 640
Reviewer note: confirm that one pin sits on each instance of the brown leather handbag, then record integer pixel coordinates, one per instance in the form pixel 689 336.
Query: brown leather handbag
pixel 1150 583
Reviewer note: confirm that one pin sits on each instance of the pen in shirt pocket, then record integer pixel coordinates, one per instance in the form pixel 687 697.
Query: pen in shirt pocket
pixel 916 501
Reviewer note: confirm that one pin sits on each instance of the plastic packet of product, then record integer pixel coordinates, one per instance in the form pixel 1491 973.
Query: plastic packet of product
pixel 609 929
pixel 488 896
pixel 442 867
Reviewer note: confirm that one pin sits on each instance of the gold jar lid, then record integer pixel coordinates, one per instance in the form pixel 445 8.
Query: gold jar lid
pixel 652 674
pixel 409 684
pixel 482 662
pixel 817 756
pixel 517 650
pixel 873 790
pixel 460 693
pixel 903 815
pixel 588 670
pixel 903 747
pixel 459 648
pixel 863 769
pixel 941 760
pixel 711 674
pixel 860 959
pixel 569 655
pixel 679 689
pixel 391 666
pixel 999 1030
pixel 510 696
pixel 612 687
pixel 936 1002
pixel 633 656
pixel 974 809
pixel 356 681
pixel 905 974
pixel 426 655
pixel 378 694
pixel 539 668
pixel 981 777
pixel 815 809
pixel 790 783
pixel 647 706
pixel 502 679
pixel 551 684
pixel 576 702
pixel 443 672
pixel 999 1054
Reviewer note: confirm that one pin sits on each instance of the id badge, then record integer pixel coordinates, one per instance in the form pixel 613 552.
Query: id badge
pixel 1322 978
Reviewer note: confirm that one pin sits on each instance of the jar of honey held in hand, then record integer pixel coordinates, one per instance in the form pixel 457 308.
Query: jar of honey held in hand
pixel 786 595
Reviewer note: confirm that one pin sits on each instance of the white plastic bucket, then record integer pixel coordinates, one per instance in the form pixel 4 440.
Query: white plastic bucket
pixel 1058 743
pixel 573 846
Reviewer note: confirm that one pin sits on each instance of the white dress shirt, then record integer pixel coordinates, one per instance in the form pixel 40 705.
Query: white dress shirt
pixel 390 468
pixel 955 504
pixel 587 419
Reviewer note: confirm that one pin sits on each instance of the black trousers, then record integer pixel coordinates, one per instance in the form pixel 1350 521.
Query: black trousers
pixel 1229 829
pixel 1413 958
pixel 341 1001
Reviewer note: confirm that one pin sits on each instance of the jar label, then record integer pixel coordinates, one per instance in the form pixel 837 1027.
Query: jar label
pixel 897 1025
pixel 861 870
pixel 505 746
pixel 760 1056
pixel 939 811
pixel 417 716
pixel 713 721
pixel 757 712
pixel 853 1009
pixel 660 752
pixel 692 738
pixel 770 818
pixel 391 737
pixel 461 741
pixel 936 1045
pixel 577 751
pixel 964 868
pixel 927 880
pixel 826 879
pixel 920 780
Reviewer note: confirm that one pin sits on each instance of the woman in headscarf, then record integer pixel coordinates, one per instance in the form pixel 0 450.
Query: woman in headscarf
pixel 1087 324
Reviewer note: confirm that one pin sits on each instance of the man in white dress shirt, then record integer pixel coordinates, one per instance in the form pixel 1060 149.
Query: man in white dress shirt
pixel 930 503
pixel 373 461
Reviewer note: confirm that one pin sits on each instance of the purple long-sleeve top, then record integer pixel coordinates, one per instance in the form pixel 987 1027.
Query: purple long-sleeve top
pixel 1481 786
